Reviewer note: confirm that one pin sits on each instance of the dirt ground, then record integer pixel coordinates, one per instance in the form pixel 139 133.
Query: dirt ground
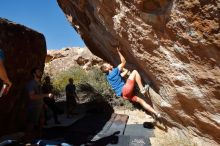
pixel 139 117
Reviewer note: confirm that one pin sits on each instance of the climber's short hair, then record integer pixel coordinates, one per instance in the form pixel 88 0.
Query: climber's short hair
pixel 104 68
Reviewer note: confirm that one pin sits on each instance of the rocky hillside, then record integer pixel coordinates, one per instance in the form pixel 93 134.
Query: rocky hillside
pixel 66 58
pixel 174 44
pixel 24 49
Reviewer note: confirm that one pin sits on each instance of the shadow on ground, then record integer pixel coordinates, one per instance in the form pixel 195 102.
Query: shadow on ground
pixel 82 131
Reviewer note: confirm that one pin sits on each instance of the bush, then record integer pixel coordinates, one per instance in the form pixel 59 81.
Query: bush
pixel 61 79
pixel 84 79
pixel 94 77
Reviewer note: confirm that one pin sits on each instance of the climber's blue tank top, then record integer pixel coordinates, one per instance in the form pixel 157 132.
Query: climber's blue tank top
pixel 115 80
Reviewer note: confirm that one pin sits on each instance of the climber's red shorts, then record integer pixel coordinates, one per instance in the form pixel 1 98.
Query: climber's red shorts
pixel 127 91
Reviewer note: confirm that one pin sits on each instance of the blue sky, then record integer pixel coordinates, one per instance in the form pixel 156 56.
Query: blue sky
pixel 44 16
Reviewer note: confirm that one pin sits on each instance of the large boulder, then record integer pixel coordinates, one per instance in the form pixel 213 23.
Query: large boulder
pixel 24 49
pixel 175 45
pixel 61 60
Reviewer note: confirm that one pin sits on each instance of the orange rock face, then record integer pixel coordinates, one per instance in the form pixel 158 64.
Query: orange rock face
pixel 24 49
pixel 173 44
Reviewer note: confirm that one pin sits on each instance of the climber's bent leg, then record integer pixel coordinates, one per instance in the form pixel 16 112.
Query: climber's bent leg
pixel 136 76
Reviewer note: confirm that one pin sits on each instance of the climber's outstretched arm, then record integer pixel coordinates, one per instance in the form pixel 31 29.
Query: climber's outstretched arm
pixel 123 61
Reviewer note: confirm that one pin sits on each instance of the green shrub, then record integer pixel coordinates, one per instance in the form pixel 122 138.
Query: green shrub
pixel 60 80
pixel 95 78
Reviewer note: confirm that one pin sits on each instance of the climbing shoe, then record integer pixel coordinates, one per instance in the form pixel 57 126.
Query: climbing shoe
pixel 157 116
pixel 144 89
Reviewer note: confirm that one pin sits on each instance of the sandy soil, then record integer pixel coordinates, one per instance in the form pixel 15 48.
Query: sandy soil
pixel 139 117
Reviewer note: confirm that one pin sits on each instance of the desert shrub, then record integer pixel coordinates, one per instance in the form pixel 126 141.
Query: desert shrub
pixel 93 81
pixel 60 80
pixel 94 77
pixel 94 96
